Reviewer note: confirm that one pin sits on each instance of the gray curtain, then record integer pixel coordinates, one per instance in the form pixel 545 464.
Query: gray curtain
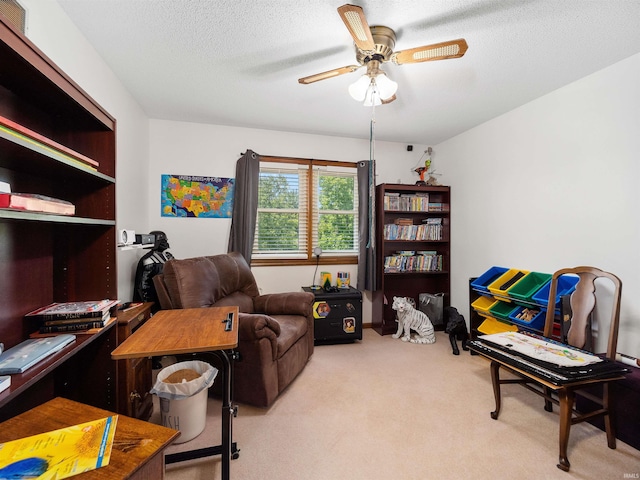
pixel 366 226
pixel 245 205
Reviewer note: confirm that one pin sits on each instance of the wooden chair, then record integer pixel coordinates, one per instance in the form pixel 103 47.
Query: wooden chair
pixel 583 301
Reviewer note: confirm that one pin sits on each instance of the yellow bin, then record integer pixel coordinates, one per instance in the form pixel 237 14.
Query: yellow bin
pixel 483 304
pixel 505 281
pixel 491 325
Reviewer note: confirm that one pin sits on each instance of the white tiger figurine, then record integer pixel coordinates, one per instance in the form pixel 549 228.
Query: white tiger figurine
pixel 411 319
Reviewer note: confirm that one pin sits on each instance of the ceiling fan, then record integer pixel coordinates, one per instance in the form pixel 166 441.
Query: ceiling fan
pixel 374 46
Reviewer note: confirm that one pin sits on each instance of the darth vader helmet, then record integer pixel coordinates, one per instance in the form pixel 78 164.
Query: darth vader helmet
pixel 161 243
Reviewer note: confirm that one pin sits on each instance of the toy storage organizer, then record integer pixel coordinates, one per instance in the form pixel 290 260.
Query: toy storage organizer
pixel 511 299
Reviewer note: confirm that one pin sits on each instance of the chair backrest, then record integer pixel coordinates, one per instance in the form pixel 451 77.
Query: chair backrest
pixel 583 302
pixel 161 291
pixel 197 282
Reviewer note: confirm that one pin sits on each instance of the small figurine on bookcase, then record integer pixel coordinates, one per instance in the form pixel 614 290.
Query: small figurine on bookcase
pixel 422 171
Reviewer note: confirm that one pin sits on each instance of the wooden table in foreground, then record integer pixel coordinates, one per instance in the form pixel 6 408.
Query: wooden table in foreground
pixel 193 330
pixel 565 400
pixel 138 446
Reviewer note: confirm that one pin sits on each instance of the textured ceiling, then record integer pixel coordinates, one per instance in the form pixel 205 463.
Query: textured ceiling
pixel 236 62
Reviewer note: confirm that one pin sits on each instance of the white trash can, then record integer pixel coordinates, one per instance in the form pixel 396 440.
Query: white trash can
pixel 182 391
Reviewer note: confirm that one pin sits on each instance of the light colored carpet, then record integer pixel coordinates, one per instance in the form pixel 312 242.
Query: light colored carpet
pixel 384 409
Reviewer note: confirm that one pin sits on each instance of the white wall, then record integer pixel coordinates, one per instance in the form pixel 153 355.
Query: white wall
pixel 553 184
pixel 52 31
pixel 185 148
pixel 548 185
pixel 210 150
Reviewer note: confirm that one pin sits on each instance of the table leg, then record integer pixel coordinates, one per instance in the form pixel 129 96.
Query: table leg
pixel 495 380
pixel 228 449
pixel 566 408
pixel 227 412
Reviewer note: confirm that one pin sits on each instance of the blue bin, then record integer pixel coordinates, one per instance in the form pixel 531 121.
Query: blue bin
pixel 566 285
pixel 536 323
pixel 481 283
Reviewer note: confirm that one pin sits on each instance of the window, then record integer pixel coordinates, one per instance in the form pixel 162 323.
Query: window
pixel 303 204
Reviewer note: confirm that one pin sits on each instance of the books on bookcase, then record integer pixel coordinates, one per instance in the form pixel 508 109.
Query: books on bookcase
pixel 5 382
pixel 20 132
pixel 36 203
pixel 87 329
pixel 23 356
pixel 74 324
pixel 72 317
pixel 410 261
pixel 72 310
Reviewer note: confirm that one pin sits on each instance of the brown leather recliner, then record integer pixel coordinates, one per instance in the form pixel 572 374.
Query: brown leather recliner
pixel 275 331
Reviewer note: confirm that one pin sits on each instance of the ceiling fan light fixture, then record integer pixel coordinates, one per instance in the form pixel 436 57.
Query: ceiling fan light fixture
pixel 358 89
pixel 386 86
pixel 372 90
pixel 373 95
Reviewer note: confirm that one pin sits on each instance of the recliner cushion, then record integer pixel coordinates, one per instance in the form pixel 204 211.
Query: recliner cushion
pixel 206 281
pixel 191 282
pixel 292 329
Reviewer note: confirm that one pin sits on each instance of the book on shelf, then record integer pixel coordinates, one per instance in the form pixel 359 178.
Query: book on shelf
pixel 430 230
pixel 5 382
pixel 26 354
pixel 79 320
pixel 71 310
pixel 406 202
pixel 60 453
pixel 403 221
pixel 407 261
pixel 20 131
pixel 73 327
pixel 87 331
pixel 34 202
pixel 438 207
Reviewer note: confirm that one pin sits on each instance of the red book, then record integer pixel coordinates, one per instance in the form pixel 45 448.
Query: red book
pixel 36 203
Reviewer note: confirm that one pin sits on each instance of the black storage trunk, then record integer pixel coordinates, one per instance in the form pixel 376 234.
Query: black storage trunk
pixel 337 314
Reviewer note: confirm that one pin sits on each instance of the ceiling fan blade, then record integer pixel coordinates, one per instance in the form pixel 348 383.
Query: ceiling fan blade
pixel 329 74
pixel 353 17
pixel 437 51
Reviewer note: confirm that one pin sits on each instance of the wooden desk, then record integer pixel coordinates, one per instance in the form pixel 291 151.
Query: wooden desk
pixel 138 446
pixel 192 330
pixel 565 398
pixel 134 375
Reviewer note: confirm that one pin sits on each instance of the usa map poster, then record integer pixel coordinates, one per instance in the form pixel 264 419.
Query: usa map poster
pixel 193 196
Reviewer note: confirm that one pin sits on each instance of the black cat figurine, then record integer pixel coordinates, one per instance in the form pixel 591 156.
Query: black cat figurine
pixel 456 328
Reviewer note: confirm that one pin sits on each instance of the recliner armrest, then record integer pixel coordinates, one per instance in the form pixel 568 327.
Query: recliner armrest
pixel 289 303
pixel 255 326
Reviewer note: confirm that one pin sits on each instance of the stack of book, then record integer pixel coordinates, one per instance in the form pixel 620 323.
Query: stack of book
pixel 407 261
pixel 36 203
pixel 72 317
pixel 433 229
pixel 406 202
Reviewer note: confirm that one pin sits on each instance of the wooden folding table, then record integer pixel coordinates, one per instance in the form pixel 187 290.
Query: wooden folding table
pixel 186 331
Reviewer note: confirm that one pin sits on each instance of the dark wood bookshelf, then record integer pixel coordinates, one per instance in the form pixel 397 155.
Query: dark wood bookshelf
pixel 55 258
pixel 409 283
